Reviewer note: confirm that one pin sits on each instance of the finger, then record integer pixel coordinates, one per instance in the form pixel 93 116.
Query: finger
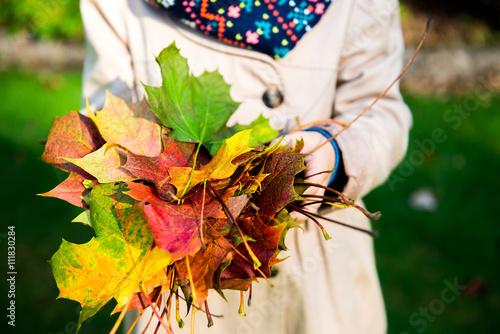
pixel 316 165
pixel 315 174
pixel 312 190
pixel 287 140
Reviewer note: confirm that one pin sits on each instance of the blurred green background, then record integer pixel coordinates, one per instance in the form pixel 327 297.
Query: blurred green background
pixel 439 228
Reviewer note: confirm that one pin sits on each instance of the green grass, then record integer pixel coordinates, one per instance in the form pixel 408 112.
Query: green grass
pixel 28 105
pixel 417 251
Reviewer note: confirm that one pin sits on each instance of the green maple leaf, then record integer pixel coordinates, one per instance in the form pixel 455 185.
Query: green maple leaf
pixel 193 107
pixel 197 108
pixel 116 263
pixel 261 133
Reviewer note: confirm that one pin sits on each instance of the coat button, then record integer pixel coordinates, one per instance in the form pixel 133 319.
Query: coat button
pixel 272 97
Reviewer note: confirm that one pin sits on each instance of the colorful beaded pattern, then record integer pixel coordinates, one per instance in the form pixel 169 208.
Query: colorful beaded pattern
pixel 272 27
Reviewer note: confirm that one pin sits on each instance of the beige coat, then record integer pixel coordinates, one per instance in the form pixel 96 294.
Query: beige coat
pixel 337 69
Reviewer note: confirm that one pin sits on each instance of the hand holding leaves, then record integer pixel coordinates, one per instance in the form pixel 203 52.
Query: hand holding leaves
pixel 179 202
pixel 145 187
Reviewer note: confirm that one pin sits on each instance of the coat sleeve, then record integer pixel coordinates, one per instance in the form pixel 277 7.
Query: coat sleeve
pixel 371 59
pixel 108 63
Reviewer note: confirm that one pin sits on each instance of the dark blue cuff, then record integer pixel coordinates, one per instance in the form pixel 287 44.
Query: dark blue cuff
pixel 338 154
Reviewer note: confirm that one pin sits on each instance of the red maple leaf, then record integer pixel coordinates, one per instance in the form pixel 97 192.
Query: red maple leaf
pixel 70 190
pixel 71 136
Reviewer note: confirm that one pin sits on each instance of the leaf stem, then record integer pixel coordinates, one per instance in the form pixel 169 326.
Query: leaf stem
pixel 192 171
pixel 122 314
pixel 241 310
pixel 200 228
pixel 240 254
pixel 135 321
pixel 192 320
pixel 153 308
pixel 180 323
pixel 256 262
pixel 149 322
pixel 168 306
pixel 196 307
pixel 344 199
pixel 347 125
pixel 309 215
pixel 209 315
pixel 319 173
pixel 249 296
pixel 152 314
pixel 371 233
pixel 169 329
pixel 191 282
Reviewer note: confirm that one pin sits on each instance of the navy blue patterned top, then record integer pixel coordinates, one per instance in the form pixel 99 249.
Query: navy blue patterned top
pixel 272 27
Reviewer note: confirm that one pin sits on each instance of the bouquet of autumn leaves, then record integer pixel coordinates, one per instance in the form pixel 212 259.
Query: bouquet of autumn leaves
pixel 180 203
